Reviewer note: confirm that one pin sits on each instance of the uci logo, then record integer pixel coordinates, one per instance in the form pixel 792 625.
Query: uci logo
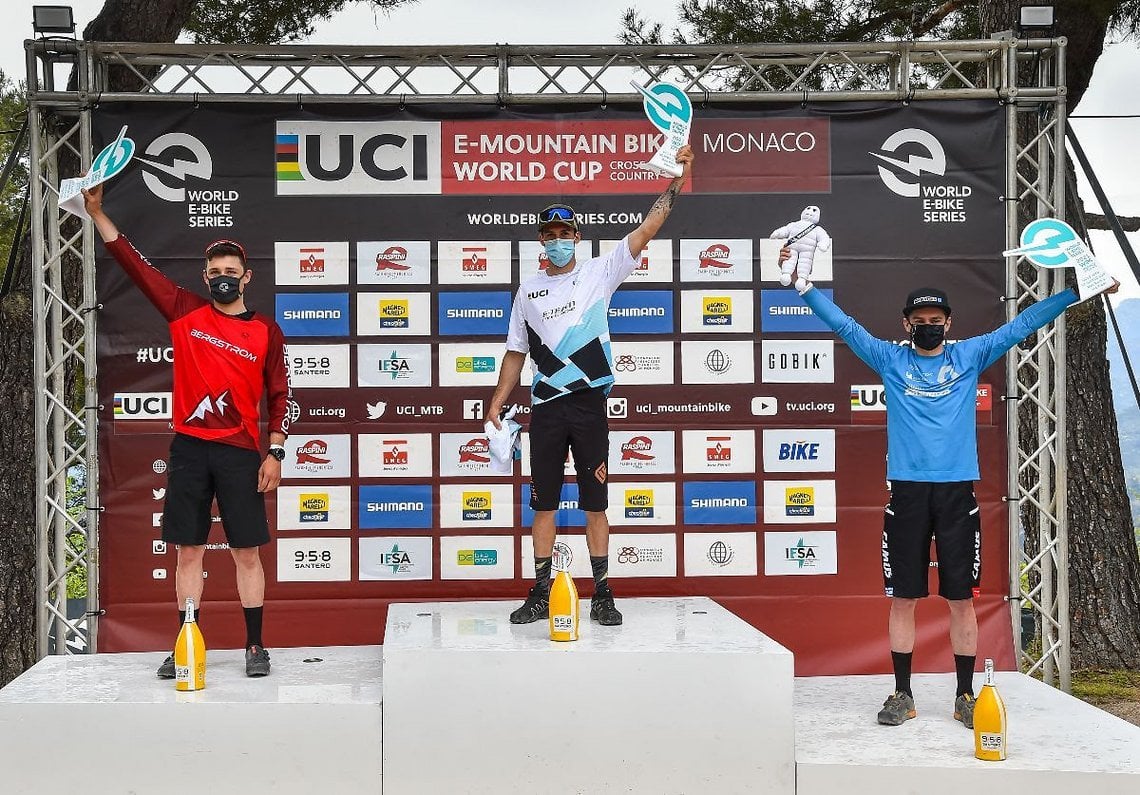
pixel 924 155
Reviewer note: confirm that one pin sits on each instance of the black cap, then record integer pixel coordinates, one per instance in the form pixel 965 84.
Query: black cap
pixel 926 297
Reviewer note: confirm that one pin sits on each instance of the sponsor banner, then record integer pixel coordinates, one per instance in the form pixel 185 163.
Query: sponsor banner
pixel 642 503
pixel 310 263
pixel 312 314
pixel 579 556
pixel 716 312
pixel 470 363
pixel 785 311
pixel 474 261
pixel 720 554
pixel 768 252
pixel 799 450
pixel 656 261
pixel 363 158
pixel 806 553
pixel 524 449
pixel 470 314
pixel 720 502
pixel 799 502
pixel 769 155
pixel 142 405
pixel 718 362
pixel 395 558
pixel 315 507
pixel 641 312
pixel 532 256
pixel 394 455
pixel 477 558
pixel 643 555
pixel 318 366
pixel 393 262
pixel 797 361
pixel 715 451
pixel 868 404
pixel 395 507
pixel 327 455
pixel 568 513
pixel 465 455
pixel 394 364
pixel 314 559
pixel 474 506
pixel 641 452
pixel 393 314
pixel 716 259
pixel 642 362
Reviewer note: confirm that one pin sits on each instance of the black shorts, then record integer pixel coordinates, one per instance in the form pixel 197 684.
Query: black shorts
pixel 199 471
pixel 576 422
pixel 918 512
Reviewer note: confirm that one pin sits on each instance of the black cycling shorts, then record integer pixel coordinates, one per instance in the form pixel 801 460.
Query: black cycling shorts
pixel 948 514
pixel 200 471
pixel 576 422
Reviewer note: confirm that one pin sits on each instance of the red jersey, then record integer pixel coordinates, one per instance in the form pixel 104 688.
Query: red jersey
pixel 222 363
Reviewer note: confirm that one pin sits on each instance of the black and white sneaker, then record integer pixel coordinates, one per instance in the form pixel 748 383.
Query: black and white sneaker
pixel 536 606
pixel 256 661
pixel 166 670
pixel 602 609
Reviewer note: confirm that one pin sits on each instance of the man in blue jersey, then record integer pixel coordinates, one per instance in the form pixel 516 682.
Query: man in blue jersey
pixel 561 318
pixel 932 462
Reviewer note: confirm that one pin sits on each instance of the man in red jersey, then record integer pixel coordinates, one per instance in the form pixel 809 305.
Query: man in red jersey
pixel 225 358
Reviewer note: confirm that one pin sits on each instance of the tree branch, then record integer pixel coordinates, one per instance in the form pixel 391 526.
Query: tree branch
pixel 1098 221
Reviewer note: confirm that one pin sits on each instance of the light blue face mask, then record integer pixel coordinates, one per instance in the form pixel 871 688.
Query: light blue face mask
pixel 559 252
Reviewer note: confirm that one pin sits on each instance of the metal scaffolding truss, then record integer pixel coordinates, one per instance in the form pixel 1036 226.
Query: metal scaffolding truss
pixel 1026 76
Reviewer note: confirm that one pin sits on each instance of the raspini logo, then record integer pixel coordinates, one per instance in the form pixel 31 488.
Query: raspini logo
pixel 313 451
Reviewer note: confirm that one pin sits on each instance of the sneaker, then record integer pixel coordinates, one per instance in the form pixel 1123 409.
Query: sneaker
pixel 536 606
pixel 964 710
pixel 602 609
pixel 256 661
pixel 897 709
pixel 166 670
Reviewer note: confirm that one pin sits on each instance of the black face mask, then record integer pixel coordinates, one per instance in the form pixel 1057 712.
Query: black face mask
pixel 224 289
pixel 928 336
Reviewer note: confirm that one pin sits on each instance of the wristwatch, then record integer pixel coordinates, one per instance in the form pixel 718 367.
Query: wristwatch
pixel 277 451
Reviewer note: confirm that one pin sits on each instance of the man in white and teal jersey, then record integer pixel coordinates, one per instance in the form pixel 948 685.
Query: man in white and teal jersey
pixel 561 318
pixel 931 390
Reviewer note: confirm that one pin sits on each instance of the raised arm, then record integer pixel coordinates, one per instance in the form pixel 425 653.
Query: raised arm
pixel 661 208
pixel 872 350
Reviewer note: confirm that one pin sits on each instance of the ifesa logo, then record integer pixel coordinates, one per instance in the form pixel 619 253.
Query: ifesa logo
pixel 912 164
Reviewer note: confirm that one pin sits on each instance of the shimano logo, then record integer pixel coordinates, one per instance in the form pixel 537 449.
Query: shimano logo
pixel 376 507
pixel 718 502
pixel 789 310
pixel 461 314
pixel 311 314
pixel 637 311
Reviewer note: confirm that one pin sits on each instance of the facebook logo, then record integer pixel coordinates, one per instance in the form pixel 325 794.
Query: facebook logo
pixel 472 409
pixel 785 310
pixel 568 513
pixel 474 313
pixel 641 312
pixel 313 314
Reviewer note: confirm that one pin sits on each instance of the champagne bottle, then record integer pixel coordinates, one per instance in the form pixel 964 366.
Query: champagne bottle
pixel 563 607
pixel 989 721
pixel 190 654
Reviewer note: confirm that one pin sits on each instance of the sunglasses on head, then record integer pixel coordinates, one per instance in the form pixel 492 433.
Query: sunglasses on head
pixel 556 213
pixel 218 243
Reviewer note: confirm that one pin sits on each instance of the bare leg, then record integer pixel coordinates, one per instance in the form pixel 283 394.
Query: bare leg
pixel 901 625
pixel 597 533
pixel 542 531
pixel 963 627
pixel 250 576
pixel 188 576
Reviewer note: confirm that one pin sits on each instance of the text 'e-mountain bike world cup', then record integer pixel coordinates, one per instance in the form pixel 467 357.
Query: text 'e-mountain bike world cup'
pixel 336 158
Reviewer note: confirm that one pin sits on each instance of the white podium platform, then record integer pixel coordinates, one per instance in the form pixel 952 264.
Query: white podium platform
pixel 683 698
pixel 105 724
pixel 1058 745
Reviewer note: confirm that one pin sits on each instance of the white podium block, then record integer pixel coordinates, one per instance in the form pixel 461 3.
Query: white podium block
pixel 1057 744
pixel 307 727
pixel 684 697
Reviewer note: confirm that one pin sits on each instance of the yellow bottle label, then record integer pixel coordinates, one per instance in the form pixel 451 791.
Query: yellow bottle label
pixel 563 608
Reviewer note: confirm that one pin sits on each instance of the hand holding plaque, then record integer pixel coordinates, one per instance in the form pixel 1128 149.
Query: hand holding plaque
pixel 109 162
pixel 1052 243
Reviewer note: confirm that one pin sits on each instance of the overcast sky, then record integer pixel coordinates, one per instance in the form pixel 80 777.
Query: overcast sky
pixel 1110 143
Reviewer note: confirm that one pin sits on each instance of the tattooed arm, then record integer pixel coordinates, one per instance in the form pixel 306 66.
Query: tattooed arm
pixel 639 237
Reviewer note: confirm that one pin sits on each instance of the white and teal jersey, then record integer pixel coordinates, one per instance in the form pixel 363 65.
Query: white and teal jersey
pixel 563 323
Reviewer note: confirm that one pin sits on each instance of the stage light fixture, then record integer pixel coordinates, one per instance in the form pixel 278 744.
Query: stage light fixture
pixel 1035 20
pixel 53 19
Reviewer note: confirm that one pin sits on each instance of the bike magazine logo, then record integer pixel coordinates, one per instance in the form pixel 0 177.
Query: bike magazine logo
pixel 314 507
pixel 310 263
pixel 719 502
pixel 476 505
pixel 395 558
pixel 805 553
pixel 395 507
pixel 799 450
pixel 313 314
pixel 720 554
pixel 393 262
pixel 641 312
pixel 799 501
pixel 474 314
pixel 716 260
pixel 314 559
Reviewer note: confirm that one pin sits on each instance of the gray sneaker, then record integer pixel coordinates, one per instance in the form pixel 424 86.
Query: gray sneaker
pixel 964 710
pixel 897 709
pixel 166 670
pixel 256 661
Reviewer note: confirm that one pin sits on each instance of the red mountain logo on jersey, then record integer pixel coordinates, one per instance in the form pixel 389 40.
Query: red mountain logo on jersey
pixel 392 259
pixel 475 259
pixel 715 256
pixel 638 449
pixel 215 412
pixel 312 260
pixel 313 452
pixel 476 450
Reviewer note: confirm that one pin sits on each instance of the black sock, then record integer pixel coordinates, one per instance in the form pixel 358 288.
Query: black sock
pixel 542 572
pixel 600 565
pixel 901 661
pixel 253 626
pixel 964 665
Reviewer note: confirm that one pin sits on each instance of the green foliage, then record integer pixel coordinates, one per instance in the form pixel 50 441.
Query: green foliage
pixel 267 21
pixel 13 110
pixel 76 541
pixel 1098 687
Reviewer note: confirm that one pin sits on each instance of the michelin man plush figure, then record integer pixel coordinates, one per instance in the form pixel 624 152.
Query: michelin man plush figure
pixel 804 237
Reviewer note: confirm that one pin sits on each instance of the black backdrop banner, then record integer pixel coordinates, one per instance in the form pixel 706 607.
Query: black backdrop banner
pixel 747 442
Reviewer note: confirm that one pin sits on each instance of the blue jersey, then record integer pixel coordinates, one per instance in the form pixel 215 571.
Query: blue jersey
pixel 931 417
